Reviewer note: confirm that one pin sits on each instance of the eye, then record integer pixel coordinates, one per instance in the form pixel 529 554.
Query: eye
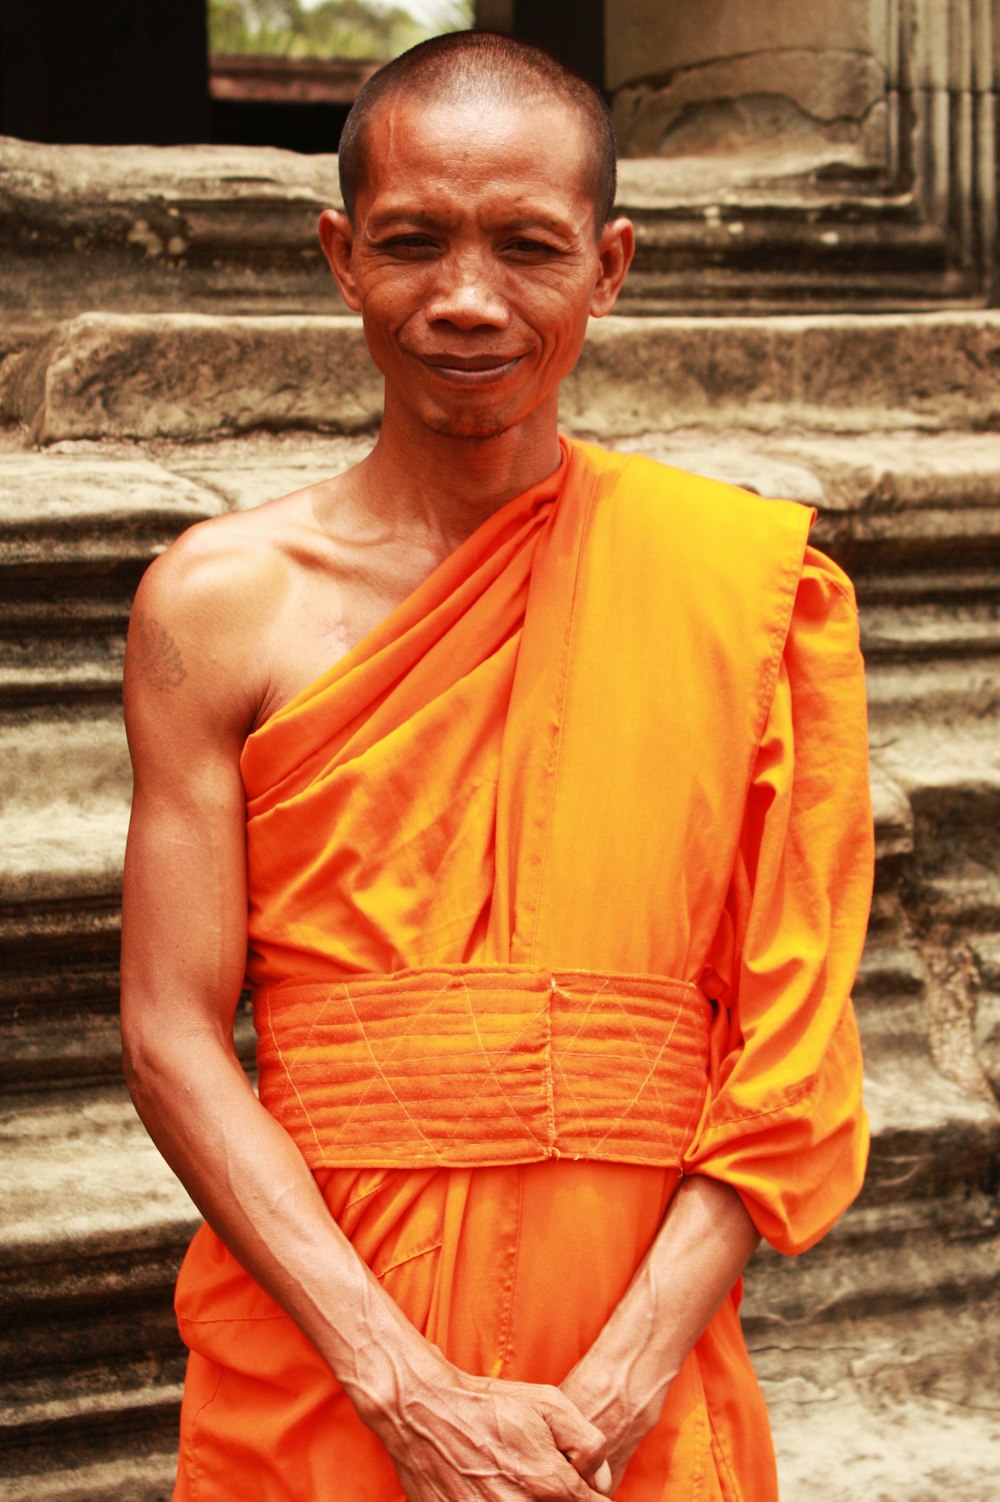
pixel 527 247
pixel 408 247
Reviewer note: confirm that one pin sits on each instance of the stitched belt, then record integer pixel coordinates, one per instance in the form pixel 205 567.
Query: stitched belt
pixel 479 1065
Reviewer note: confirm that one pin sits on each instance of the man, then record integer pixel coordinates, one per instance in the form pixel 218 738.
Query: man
pixel 527 785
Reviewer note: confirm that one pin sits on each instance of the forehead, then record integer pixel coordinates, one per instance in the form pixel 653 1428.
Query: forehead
pixel 424 153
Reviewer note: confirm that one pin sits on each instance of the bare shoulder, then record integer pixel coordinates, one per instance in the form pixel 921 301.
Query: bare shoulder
pixel 197 641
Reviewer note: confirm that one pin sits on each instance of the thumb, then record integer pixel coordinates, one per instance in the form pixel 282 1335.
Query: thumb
pixel 601 1479
pixel 581 1442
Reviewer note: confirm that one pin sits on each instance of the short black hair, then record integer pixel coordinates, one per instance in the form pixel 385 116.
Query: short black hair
pixel 495 70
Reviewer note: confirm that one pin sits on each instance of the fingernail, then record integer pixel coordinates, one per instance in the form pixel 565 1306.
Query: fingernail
pixel 602 1479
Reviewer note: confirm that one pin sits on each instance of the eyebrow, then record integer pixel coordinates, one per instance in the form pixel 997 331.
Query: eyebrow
pixel 394 216
pixel 386 219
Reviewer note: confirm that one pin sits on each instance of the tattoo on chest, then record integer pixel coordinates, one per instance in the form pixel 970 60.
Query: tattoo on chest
pixel 158 658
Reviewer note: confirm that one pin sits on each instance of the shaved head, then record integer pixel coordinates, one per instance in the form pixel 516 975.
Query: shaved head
pixel 488 71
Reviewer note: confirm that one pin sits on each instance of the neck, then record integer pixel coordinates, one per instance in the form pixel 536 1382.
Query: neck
pixel 418 478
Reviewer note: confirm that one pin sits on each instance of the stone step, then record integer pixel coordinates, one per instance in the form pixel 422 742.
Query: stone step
pixel 63 817
pixel 76 532
pixel 77 528
pixel 64 802
pixel 94 1231
pixel 985 950
pixel 105 375
pixel 64 789
pixel 134 1466
pixel 229 229
pixel 911 634
pixel 901 1407
pixel 52 1412
pixel 908 700
pixel 151 228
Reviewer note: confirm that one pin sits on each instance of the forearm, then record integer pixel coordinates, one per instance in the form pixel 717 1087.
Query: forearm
pixel 449 1434
pixel 704 1243
pixel 252 1185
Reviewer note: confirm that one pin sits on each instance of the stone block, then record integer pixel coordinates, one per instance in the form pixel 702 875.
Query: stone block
pixel 105 375
pixel 79 1171
pixel 180 376
pixel 886 1407
pixel 162 228
pixel 648 37
pixel 737 105
pixel 71 511
pixel 824 373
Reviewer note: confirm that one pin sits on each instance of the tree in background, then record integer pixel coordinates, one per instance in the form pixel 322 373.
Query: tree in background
pixel 337 28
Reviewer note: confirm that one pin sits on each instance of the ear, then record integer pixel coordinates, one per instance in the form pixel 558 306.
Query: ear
pixel 615 249
pixel 337 238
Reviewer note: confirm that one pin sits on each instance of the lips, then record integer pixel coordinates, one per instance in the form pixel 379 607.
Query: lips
pixel 470 370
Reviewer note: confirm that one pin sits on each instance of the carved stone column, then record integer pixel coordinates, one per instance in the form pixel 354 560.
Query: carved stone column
pixel 828 155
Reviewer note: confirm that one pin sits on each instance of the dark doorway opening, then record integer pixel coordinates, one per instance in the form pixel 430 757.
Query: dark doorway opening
pixel 123 72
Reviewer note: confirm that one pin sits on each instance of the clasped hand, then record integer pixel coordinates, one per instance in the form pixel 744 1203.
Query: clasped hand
pixel 479 1439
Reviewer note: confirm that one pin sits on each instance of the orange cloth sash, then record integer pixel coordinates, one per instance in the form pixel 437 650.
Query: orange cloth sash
pixel 485 1065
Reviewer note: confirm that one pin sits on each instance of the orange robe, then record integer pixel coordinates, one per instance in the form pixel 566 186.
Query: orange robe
pixel 558 885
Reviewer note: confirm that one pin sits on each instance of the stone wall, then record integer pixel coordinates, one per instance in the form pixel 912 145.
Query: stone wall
pixel 690 78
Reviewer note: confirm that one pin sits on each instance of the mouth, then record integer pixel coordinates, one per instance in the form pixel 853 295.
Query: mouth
pixel 470 370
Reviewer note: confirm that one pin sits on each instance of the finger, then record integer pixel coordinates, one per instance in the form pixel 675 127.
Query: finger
pixel 565 1484
pixel 581 1442
pixel 601 1479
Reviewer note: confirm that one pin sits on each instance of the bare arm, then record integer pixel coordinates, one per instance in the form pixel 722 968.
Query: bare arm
pixel 188 709
pixel 705 1241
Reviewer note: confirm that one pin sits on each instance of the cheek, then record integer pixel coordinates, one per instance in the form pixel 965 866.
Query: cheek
pixel 562 326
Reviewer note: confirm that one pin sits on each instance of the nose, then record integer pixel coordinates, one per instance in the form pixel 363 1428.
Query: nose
pixel 466 293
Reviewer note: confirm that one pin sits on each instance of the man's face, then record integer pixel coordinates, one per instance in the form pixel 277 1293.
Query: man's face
pixel 474 261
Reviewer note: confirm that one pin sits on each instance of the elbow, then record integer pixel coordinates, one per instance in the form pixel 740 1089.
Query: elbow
pixel 145 1063
pixel 165 1057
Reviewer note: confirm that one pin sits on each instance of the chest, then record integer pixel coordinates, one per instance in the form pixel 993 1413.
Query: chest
pixel 331 605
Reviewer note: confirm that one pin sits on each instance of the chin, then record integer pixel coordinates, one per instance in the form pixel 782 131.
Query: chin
pixel 469 424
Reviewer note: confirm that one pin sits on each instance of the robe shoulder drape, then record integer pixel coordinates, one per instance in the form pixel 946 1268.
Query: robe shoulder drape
pixel 558 885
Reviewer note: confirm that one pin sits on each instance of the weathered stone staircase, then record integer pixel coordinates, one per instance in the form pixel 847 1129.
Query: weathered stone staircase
pixel 126 424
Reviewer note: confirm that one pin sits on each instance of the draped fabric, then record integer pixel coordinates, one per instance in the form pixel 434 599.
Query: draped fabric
pixel 558 885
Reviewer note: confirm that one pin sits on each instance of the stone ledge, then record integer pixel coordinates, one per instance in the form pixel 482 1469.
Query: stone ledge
pixel 105 375
pixel 79 1169
pixel 134 1467
pixel 46 1415
pixel 190 375
pixel 934 706
pixel 76 532
pixel 64 800
pixel 821 372
pixel 898 1407
pixel 959 755
pixel 910 633
pixel 54 672
pixel 877 1260
pixel 891 471
pixel 74 512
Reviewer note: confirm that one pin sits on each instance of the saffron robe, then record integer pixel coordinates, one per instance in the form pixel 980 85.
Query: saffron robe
pixel 558 886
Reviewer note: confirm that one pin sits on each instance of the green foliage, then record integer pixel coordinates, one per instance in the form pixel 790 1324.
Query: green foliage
pixel 337 28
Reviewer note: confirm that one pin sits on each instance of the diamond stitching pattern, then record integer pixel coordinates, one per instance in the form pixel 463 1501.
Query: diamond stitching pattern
pixel 562 1053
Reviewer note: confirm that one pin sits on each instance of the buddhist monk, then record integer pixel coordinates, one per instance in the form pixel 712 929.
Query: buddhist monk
pixel 525 786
